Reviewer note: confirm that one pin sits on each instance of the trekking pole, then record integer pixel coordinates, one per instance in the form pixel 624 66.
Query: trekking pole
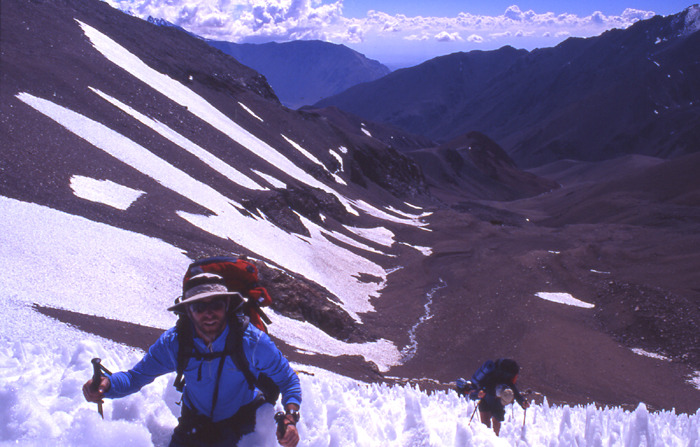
pixel 96 380
pixel 474 412
pixel 524 415
pixel 97 370
pixel 281 426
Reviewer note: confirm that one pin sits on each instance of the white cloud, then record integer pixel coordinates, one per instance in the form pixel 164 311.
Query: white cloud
pixel 444 36
pixel 513 13
pixel 421 37
pixel 260 21
pixel 505 34
pixel 598 17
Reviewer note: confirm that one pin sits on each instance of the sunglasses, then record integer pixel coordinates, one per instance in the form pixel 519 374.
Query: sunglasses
pixel 214 305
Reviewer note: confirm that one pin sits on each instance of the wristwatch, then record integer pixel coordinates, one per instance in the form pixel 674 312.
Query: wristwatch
pixel 294 414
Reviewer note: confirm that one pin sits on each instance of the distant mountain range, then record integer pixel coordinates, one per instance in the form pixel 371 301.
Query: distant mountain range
pixel 632 91
pixel 305 72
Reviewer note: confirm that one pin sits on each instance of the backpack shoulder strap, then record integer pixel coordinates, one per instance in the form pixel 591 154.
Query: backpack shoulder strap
pixel 234 347
pixel 185 341
pixel 265 384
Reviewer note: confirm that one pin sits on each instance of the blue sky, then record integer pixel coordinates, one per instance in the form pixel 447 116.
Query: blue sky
pixel 401 33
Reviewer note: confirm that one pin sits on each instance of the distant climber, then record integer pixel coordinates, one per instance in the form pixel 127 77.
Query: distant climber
pixel 494 384
pixel 463 387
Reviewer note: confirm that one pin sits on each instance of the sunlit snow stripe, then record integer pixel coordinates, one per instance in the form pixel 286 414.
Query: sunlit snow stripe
pixel 379 235
pixel 214 162
pixel 131 153
pixel 372 211
pixel 309 338
pixel 337 157
pixel 366 132
pixel 564 298
pixel 640 351
pixel 426 251
pixel 303 151
pixel 249 111
pixel 411 216
pixel 343 238
pixel 202 109
pixel 271 180
pixel 314 257
pixel 104 191
pixel 311 157
pixel 413 206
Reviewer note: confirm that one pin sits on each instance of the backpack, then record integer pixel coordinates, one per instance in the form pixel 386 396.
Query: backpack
pixel 481 374
pixel 463 387
pixel 501 369
pixel 239 276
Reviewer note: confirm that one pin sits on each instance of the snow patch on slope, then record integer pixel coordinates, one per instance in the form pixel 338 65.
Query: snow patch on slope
pixel 564 298
pixel 214 162
pixel 104 191
pixel 315 257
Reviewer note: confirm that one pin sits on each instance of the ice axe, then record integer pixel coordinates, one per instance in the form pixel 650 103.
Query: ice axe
pixel 97 370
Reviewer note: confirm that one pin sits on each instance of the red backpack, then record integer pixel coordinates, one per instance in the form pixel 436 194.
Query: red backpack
pixel 241 276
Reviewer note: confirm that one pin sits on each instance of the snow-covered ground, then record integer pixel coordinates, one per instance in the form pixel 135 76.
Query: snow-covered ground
pixel 43 363
pixel 40 387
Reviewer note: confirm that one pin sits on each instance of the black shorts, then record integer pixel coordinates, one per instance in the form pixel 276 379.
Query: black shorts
pixel 492 404
pixel 194 430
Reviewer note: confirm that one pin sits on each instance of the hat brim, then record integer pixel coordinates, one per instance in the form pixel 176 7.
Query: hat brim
pixel 180 307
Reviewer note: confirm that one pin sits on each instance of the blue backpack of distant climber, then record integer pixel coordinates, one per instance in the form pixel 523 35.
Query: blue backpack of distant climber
pixel 481 374
pixel 463 387
pixel 502 370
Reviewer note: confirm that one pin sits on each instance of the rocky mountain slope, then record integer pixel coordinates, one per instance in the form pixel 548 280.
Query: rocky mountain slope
pixel 405 275
pixel 303 72
pixel 632 91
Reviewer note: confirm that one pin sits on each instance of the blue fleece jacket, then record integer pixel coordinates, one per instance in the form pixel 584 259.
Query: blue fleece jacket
pixel 200 375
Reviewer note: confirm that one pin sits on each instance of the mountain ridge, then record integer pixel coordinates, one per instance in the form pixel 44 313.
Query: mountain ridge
pixel 303 72
pixel 580 99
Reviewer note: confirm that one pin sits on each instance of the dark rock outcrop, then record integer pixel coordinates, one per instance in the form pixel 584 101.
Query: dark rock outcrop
pixel 475 166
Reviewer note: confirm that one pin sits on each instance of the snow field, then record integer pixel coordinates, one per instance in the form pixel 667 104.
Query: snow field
pixel 40 386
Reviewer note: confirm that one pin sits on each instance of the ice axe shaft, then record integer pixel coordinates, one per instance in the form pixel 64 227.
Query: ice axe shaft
pixel 96 380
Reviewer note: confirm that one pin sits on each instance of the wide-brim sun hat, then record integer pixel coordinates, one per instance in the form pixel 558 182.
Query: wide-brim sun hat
pixel 203 286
